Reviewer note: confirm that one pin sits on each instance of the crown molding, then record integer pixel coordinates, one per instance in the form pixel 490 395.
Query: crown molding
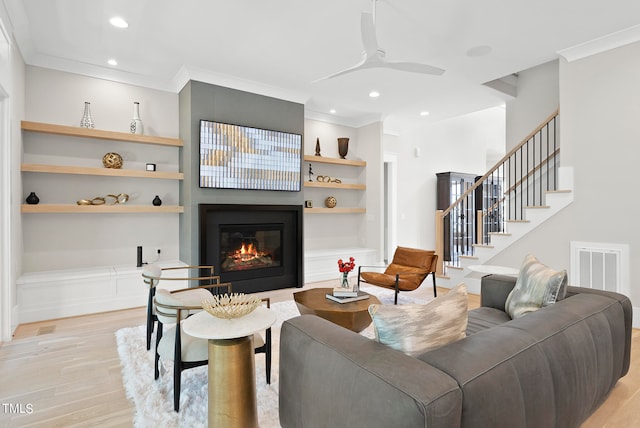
pixel 601 44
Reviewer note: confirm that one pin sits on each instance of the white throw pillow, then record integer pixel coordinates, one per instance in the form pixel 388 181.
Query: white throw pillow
pixel 537 286
pixel 418 328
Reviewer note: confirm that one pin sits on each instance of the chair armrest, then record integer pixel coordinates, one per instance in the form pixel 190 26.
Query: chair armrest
pixel 226 285
pixel 494 290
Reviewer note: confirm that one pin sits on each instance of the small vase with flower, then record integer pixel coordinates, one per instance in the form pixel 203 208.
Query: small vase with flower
pixel 345 268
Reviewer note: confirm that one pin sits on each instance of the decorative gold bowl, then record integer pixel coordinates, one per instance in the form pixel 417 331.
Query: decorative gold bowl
pixel 227 306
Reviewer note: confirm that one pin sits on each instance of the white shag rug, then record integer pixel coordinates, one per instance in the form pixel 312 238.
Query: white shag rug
pixel 154 399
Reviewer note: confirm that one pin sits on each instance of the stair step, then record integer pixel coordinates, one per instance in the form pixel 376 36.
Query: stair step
pixel 469 257
pixel 453 267
pixel 482 246
pixel 559 191
pixel 499 234
pixel 517 221
pixel 537 206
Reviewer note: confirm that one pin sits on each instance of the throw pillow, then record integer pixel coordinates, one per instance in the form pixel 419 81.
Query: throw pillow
pixel 418 328
pixel 537 286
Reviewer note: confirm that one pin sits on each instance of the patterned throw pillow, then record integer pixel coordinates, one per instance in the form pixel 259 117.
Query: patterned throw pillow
pixel 537 286
pixel 417 328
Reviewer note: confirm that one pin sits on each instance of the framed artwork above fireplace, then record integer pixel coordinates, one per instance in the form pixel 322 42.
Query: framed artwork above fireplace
pixel 242 157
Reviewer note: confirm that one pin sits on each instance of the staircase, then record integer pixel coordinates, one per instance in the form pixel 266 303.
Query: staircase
pixel 523 190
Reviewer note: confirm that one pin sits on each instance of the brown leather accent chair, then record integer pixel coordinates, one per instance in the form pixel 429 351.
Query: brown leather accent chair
pixel 408 269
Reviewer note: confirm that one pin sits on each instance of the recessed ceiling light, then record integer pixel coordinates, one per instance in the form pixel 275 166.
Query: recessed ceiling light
pixel 374 94
pixel 481 50
pixel 112 62
pixel 424 113
pixel 116 21
pixel 332 111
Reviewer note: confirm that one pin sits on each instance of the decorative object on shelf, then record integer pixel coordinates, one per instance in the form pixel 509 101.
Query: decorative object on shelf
pixel 109 200
pixel 345 268
pixel 343 147
pixel 87 119
pixel 112 160
pixel 136 126
pixel 32 199
pixel 308 203
pixel 318 147
pixel 157 201
pixel 235 305
pixel 327 179
pixel 310 172
pixel 151 167
pixel 330 202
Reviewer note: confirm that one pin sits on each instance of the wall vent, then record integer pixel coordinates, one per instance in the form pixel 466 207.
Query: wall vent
pixel 600 266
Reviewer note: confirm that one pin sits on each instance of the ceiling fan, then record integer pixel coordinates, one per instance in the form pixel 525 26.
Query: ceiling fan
pixel 374 56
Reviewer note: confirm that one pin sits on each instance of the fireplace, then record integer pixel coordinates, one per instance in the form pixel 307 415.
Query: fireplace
pixel 255 247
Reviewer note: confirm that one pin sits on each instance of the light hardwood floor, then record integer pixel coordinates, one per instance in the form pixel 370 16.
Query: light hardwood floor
pixel 68 372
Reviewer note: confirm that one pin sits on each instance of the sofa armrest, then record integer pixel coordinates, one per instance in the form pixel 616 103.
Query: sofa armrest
pixel 494 290
pixel 331 376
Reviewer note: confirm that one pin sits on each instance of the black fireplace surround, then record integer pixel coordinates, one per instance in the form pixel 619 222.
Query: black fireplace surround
pixel 255 247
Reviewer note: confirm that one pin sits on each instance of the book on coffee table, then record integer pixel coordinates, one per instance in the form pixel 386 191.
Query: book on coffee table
pixel 347 299
pixel 344 292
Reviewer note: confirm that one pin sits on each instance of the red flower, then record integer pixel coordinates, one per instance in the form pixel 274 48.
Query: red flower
pixel 346 266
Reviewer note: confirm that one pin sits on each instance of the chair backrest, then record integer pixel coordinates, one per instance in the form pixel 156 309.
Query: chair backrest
pixel 151 275
pixel 412 260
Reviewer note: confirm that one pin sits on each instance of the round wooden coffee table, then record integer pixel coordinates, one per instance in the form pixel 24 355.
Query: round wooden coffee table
pixel 353 315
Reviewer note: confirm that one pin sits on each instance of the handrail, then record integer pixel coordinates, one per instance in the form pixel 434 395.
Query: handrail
pixel 501 161
pixel 526 171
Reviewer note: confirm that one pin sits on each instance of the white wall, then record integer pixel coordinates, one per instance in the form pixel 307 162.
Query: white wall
pixel 460 144
pixel 537 98
pixel 59 241
pixel 599 110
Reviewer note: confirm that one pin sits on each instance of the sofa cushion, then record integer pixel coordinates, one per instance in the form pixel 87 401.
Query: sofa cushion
pixel 483 318
pixel 417 328
pixel 537 286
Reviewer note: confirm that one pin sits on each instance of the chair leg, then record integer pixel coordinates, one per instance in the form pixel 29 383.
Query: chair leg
pixel 267 356
pixel 150 317
pixel 395 301
pixel 435 292
pixel 177 371
pixel 157 357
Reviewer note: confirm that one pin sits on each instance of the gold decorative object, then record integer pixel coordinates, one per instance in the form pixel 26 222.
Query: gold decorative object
pixel 109 200
pixel 327 179
pixel 343 147
pixel 331 202
pixel 235 305
pixel 112 160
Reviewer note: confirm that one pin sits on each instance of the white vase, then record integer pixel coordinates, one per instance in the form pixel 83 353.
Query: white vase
pixel 136 124
pixel 87 120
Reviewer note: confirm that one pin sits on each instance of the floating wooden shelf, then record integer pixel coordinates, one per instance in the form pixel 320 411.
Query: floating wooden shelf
pixel 73 131
pixel 335 185
pixel 108 172
pixel 101 209
pixel 334 161
pixel 334 210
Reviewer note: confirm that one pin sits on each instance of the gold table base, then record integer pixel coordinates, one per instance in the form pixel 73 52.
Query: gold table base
pixel 232 383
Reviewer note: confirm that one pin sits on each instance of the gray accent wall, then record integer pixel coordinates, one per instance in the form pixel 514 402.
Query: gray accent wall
pixel 199 101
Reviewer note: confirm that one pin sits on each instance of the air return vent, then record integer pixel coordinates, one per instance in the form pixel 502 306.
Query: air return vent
pixel 600 266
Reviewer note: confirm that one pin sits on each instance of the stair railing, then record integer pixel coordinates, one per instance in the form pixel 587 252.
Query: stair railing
pixel 517 181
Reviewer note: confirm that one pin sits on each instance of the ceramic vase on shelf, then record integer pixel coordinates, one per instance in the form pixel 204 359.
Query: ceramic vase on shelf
pixel 32 199
pixel 343 147
pixel 136 124
pixel 87 120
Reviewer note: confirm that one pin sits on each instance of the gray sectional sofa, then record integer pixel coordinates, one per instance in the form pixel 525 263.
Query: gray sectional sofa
pixel 550 368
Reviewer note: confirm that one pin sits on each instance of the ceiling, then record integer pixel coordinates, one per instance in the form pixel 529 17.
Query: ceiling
pixel 282 47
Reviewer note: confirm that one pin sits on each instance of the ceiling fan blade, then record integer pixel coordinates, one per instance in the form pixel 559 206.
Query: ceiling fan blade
pixel 414 67
pixel 368 33
pixel 362 64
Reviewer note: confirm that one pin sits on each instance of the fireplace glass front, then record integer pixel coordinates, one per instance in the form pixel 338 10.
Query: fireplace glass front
pixel 249 247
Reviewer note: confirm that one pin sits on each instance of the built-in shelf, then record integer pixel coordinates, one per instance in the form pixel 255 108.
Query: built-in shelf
pixel 334 210
pixel 73 131
pixel 101 209
pixel 335 185
pixel 334 161
pixel 108 172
